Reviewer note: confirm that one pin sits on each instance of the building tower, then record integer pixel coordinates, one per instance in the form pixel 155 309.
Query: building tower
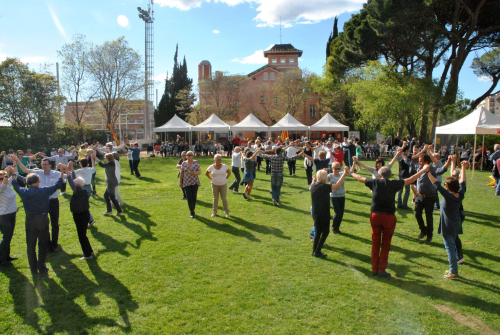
pixel 204 70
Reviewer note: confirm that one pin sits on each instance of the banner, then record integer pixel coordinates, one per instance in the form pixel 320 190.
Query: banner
pixel 113 134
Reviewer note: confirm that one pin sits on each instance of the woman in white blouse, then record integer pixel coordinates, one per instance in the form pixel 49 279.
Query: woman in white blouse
pixel 218 173
pixel 8 210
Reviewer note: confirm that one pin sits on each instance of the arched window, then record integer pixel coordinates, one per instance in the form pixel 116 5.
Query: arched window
pixel 272 75
pixel 265 76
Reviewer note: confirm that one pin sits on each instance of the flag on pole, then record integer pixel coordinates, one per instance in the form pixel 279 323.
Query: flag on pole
pixel 284 135
pixel 113 134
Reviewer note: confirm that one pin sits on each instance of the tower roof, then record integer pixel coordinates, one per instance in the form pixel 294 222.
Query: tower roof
pixel 282 49
pixel 204 62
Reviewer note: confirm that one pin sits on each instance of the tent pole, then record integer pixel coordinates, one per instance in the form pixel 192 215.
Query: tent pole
pixel 473 156
pixel 435 141
pixel 482 151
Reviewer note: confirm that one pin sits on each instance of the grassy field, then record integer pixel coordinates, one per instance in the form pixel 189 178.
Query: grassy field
pixel 158 271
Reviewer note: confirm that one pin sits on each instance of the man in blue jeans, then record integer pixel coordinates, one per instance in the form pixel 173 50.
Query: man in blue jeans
pixel 404 173
pixel 277 172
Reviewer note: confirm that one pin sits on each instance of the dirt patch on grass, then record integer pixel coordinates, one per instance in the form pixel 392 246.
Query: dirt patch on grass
pixel 467 320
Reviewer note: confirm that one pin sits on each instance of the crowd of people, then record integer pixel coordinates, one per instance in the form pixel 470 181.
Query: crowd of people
pixel 420 172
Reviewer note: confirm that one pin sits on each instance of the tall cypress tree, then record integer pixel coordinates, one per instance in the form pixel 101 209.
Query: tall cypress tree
pixel 333 35
pixel 179 80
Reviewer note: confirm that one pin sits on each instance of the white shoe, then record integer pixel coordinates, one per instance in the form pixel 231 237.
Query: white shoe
pixel 86 258
pixel 227 215
pixel 108 213
pixel 63 193
pixel 461 261
pixel 213 215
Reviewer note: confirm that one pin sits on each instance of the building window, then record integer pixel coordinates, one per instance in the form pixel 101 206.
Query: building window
pixel 265 76
pixel 272 76
pixel 275 99
pixel 312 111
pixel 291 60
pixel 262 99
pixel 274 60
pixel 283 60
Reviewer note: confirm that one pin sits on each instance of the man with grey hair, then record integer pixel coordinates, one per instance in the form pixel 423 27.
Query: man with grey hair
pixel 36 205
pixel 382 218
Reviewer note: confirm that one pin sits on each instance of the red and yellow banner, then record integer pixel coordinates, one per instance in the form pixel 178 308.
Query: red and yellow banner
pixel 113 134
pixel 284 135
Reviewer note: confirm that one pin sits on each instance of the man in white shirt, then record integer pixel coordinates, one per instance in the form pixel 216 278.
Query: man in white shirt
pixel 63 159
pixel 48 178
pixel 235 169
pixel 291 151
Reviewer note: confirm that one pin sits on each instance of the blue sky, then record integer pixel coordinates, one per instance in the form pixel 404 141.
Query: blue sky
pixel 228 33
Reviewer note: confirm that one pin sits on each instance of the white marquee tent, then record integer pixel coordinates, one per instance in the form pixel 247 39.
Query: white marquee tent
pixel 250 123
pixel 479 122
pixel 175 125
pixel 213 123
pixel 328 123
pixel 288 122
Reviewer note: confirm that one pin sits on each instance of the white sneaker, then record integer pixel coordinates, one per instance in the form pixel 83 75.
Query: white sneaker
pixel 86 258
pixel 461 261
pixel 213 215
pixel 63 193
pixel 108 213
pixel 227 215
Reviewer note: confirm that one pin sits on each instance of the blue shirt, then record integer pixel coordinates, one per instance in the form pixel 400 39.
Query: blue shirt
pixel 36 199
pixel 135 153
pixel 424 185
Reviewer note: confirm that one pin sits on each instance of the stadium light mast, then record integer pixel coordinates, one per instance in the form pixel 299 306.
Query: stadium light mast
pixel 148 18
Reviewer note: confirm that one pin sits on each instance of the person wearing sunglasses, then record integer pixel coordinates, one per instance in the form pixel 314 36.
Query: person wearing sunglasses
pixel 8 210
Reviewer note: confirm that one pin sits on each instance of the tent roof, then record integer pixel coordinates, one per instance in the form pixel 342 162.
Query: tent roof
pixel 288 122
pixel 250 123
pixel 481 121
pixel 175 124
pixel 213 123
pixel 327 122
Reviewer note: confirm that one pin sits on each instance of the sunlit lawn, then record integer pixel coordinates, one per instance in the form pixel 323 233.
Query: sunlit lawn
pixel 160 272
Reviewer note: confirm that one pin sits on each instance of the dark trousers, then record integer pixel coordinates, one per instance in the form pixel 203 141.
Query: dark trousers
pixel 458 245
pixel 259 163
pixel 81 221
pixel 426 204
pixel 92 183
pixel 347 157
pixel 191 195
pixel 7 225
pixel 309 174
pixel 322 231
pixel 109 196
pixel 37 228
pixel 229 152
pixel 242 172
pixel 436 199
pixel 338 204
pixel 291 167
pixel 135 167
pixel 131 164
pixel 236 183
pixel 54 222
pixel 268 166
pixel 63 187
pixel 383 226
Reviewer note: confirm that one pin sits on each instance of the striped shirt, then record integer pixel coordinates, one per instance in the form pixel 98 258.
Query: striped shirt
pixel 7 198
pixel 277 162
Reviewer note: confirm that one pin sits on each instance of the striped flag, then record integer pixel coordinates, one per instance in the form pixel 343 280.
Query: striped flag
pixel 113 134
pixel 284 135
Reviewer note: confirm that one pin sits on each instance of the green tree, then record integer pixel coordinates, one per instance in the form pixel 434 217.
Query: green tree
pixel 487 65
pixel 28 99
pixel 333 35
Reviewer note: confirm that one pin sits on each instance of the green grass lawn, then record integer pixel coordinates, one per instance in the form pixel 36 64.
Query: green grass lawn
pixel 158 271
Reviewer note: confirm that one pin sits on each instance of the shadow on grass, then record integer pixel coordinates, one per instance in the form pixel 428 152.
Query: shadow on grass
pixel 140 216
pixel 227 228
pixel 259 228
pixel 482 219
pixel 149 180
pixel 109 243
pixel 58 300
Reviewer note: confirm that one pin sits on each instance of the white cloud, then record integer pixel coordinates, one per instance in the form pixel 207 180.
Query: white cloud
pixel 287 25
pixel 34 59
pixel 288 11
pixel 58 24
pixel 3 57
pixel 216 31
pixel 122 20
pixel 161 77
pixel 256 58
pixel 485 78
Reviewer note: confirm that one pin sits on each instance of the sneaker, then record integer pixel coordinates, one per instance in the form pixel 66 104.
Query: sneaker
pixel 91 223
pixel 276 203
pixel 422 235
pixel 428 240
pixel 248 197
pixel 336 231
pixel 138 177
pixel 86 258
pixel 461 260
pixel 245 196
pixel 213 215
pixel 63 193
pixel 227 215
pixel 319 254
pixel 183 198
pixel 108 213
pixel 449 275
pixel 235 192
pixel 119 214
pixel 311 237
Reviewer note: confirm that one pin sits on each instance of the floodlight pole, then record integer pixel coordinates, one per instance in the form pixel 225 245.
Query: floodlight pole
pixel 148 18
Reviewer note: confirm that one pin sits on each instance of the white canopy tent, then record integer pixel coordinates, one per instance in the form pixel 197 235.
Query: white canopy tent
pixel 250 123
pixel 213 123
pixel 174 125
pixel 479 122
pixel 328 123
